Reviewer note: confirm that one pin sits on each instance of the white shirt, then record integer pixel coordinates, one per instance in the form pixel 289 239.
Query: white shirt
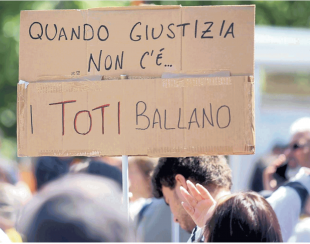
pixel 4 238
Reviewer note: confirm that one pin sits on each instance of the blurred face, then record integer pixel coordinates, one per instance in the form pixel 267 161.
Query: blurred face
pixel 139 186
pixel 173 198
pixel 298 152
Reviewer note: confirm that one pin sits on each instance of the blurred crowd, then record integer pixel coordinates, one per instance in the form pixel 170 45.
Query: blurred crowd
pixel 80 199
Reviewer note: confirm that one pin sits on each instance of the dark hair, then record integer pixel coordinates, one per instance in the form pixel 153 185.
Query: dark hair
pixel 207 171
pixel 243 217
pixel 50 168
pixel 76 208
pixel 100 169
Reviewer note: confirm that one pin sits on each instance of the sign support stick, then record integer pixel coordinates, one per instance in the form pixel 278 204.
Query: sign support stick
pixel 125 174
pixel 125 184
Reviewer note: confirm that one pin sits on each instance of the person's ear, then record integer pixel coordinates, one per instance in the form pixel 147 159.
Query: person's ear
pixel 181 181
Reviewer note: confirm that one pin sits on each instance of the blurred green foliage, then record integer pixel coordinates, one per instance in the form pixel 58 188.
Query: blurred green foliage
pixel 274 13
pixel 277 13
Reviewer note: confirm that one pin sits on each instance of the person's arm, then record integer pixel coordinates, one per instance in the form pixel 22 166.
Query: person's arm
pixel 288 200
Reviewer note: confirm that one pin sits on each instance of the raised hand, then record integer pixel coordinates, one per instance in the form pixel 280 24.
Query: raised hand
pixel 269 181
pixel 198 202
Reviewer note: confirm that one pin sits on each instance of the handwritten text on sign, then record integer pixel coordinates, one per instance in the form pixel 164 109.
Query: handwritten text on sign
pixel 157 119
pixel 139 31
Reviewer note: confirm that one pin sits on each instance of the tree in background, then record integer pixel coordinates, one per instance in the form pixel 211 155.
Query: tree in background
pixel 272 13
pixel 293 14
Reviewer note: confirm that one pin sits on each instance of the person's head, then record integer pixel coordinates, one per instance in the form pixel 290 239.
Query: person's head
pixel 8 171
pixel 242 217
pixel 75 208
pixel 298 151
pixel 212 172
pixel 50 168
pixel 139 170
pixel 98 168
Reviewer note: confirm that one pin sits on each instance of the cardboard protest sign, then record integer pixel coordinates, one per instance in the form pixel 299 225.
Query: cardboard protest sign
pixel 71 100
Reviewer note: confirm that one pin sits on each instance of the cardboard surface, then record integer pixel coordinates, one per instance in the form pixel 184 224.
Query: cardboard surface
pixel 212 38
pixel 60 111
pixel 160 117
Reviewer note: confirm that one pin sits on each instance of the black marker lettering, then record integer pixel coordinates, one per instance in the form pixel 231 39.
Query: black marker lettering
pixel 207 30
pixel 105 63
pixel 183 27
pixel 139 36
pixel 230 32
pixel 77 36
pixel 47 35
pixel 157 112
pixel 61 35
pixel 195 121
pixel 92 59
pixel 204 115
pixel 217 117
pixel 120 63
pixel 141 114
pixel 92 30
pixel 171 37
pixel 107 32
pixel 39 36
pixel 142 59
pixel 159 56
pixel 162 28
pixel 31 119
pixel 222 27
pixel 180 112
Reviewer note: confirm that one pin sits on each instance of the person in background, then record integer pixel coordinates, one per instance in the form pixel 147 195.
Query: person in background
pixel 212 172
pixel 139 172
pixel 279 171
pixel 113 161
pixel 76 208
pixel 239 217
pixel 257 183
pixel 289 210
pixel 152 217
pixel 140 186
pixel 8 172
pixel 50 168
pixel 10 204
pixel 98 168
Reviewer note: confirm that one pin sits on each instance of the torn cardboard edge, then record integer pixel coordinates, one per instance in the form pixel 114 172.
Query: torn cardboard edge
pixel 197 74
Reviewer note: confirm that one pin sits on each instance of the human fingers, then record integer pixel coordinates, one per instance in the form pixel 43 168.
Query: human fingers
pixel 270 170
pixel 188 208
pixel 205 193
pixel 190 200
pixel 193 191
pixel 280 160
